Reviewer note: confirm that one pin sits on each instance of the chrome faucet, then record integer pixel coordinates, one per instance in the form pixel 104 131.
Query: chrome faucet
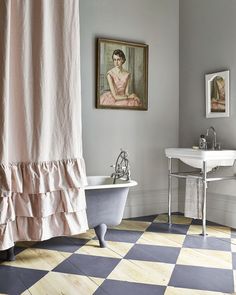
pixel 122 167
pixel 214 145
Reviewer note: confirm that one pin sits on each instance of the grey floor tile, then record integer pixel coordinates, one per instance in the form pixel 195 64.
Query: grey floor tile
pixel 234 260
pixel 64 244
pixel 68 267
pixel 153 253
pixel 202 278
pixel 113 287
pixel 199 222
pixel 166 228
pixel 15 280
pixel 88 265
pixel 211 243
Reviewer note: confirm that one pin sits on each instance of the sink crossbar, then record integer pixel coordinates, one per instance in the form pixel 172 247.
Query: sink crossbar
pixel 210 179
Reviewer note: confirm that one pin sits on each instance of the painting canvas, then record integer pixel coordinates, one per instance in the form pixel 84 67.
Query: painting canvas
pixel 122 69
pixel 217 94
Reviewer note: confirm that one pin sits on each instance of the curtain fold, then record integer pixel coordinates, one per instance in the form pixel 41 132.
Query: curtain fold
pixel 42 170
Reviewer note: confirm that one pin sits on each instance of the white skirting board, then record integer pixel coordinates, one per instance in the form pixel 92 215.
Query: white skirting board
pixel 149 202
pixel 220 208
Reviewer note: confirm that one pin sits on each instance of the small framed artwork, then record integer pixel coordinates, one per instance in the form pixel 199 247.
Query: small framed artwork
pixel 122 75
pixel 217 94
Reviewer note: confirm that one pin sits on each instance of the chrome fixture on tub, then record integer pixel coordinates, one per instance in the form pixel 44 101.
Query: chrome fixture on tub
pixel 122 168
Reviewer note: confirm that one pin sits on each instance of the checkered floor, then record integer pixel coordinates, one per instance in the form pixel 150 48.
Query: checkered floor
pixel 144 256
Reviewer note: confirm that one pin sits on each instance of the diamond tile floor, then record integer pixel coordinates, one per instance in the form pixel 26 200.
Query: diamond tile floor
pixel 144 256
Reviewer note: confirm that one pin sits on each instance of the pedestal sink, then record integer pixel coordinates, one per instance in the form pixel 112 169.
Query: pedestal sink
pixel 196 157
pixel 206 160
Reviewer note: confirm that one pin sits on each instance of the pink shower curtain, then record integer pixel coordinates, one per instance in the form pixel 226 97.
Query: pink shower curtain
pixel 42 171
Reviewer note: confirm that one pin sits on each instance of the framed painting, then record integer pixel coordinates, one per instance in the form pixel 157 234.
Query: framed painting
pixel 217 94
pixel 122 75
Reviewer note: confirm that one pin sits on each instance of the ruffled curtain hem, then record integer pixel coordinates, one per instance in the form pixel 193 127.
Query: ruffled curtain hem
pixel 14 205
pixel 42 200
pixel 39 229
pixel 42 177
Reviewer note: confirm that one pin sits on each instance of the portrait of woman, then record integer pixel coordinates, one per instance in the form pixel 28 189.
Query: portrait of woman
pixel 121 75
pixel 217 94
pixel 118 79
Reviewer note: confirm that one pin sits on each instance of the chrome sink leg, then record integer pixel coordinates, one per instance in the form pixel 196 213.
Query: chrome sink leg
pixel 204 199
pixel 169 190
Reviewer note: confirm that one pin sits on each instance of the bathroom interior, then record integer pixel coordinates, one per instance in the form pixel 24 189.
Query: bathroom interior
pixel 186 39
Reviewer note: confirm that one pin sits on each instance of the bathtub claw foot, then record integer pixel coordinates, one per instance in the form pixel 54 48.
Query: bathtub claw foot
pixel 11 254
pixel 100 231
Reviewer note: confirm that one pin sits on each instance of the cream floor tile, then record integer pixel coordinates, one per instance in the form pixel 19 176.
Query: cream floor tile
pixel 182 291
pixel 58 283
pixel 177 219
pixel 212 231
pixel 205 258
pixel 38 259
pixel 145 272
pixel 113 249
pixel 161 239
pixel 133 225
pixel 88 235
pixel 233 245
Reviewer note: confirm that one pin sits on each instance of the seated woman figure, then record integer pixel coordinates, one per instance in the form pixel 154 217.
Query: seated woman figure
pixel 118 80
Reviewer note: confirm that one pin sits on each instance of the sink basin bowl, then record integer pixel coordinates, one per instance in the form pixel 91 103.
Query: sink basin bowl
pixel 195 158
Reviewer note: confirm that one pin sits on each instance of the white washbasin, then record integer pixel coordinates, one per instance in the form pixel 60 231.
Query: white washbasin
pixel 195 157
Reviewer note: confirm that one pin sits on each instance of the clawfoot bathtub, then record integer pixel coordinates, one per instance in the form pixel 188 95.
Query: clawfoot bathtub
pixel 105 203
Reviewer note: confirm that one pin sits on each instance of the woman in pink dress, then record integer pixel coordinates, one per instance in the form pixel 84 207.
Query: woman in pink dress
pixel 118 80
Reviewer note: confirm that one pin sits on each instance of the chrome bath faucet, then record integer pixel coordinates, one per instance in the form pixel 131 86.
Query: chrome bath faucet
pixel 122 168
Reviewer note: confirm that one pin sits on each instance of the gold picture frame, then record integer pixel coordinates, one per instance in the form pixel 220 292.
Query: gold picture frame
pixel 122 75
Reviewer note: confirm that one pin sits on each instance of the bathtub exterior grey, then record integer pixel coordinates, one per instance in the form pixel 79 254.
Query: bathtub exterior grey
pixel 105 206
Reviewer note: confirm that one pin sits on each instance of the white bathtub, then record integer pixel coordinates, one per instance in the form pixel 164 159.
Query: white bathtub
pixel 105 203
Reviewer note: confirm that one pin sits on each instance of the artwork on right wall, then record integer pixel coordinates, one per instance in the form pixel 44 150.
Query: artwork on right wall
pixel 217 94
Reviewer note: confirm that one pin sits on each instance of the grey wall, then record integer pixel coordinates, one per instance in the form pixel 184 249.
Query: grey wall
pixel 208 44
pixel 144 134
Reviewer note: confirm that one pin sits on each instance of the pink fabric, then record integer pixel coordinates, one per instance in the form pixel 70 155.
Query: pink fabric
pixel 120 85
pixel 39 229
pixel 14 205
pixel 41 177
pixel 42 171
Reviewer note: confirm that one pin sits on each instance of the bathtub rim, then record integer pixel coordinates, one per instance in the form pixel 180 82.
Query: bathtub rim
pixel 124 183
